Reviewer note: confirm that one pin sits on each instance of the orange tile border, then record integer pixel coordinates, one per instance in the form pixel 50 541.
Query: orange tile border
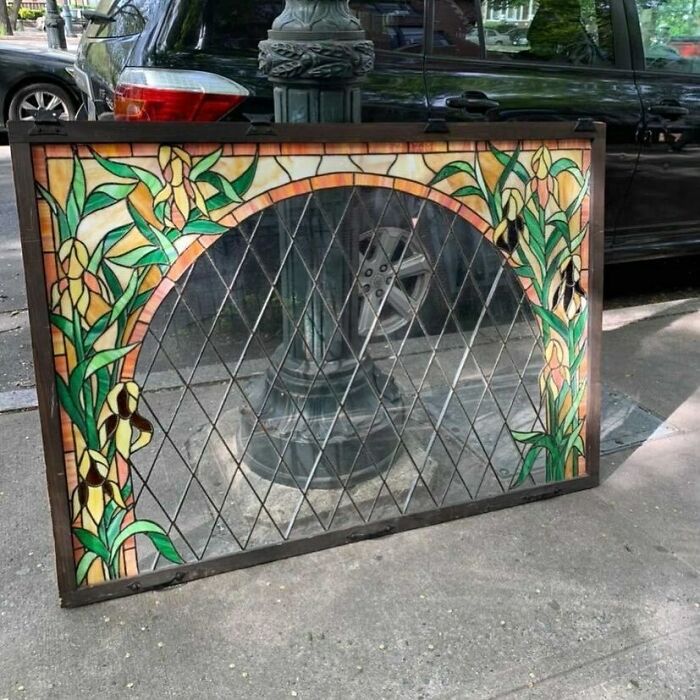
pixel 461 146
pixel 156 299
pixel 185 259
pixel 145 150
pixel 346 149
pixel 444 200
pixel 428 147
pixel 269 149
pixel 322 182
pixel 113 150
pixel 291 189
pixel 71 466
pixel 129 362
pixel 67 432
pixel 244 149
pixel 253 206
pixel 48 239
pixel 474 219
pixel 302 149
pixel 371 180
pixel 391 148
pixel 57 150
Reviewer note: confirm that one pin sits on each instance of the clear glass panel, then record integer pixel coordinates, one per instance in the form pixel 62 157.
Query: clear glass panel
pixel 340 358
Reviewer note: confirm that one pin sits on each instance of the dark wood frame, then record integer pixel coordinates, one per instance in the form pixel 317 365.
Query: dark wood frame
pixel 23 135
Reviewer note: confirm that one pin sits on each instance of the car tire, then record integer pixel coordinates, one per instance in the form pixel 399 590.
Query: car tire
pixel 30 98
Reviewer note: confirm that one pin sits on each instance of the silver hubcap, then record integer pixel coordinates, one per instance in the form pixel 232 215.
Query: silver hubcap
pixel 42 100
pixel 394 280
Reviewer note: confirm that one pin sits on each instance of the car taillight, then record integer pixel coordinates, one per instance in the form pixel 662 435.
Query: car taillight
pixel 155 94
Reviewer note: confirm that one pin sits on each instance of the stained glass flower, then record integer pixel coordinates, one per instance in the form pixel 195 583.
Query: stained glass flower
pixel 179 192
pixel 511 227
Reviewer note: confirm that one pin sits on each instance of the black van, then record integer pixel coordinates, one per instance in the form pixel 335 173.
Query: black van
pixel 618 61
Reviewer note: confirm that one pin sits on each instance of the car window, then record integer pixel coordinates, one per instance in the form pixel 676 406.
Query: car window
pixel 126 17
pixel 220 26
pixel 392 26
pixel 671 35
pixel 567 32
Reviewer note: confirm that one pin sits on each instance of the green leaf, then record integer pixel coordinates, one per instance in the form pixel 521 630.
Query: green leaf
pixel 550 320
pixel 204 164
pixel 575 205
pixel 129 172
pixel 115 286
pixel 134 258
pixel 83 567
pixel 96 330
pixel 510 163
pixel 457 166
pixel 153 235
pixel 115 525
pixel 63 325
pixel 205 227
pixel 528 437
pixel 105 196
pixel 568 165
pixel 104 385
pixel 65 398
pixel 64 232
pixel 76 196
pixel 223 186
pixel 528 464
pixel 468 191
pixel 92 543
pixel 504 159
pixel 524 271
pixel 125 298
pixel 573 409
pixel 243 182
pixel 106 244
pixel 104 358
pixel 154 532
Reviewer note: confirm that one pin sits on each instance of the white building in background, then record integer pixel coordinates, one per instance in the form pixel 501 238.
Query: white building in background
pixel 505 11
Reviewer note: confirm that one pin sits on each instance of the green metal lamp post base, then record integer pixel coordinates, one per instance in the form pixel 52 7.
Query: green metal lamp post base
pixel 315 55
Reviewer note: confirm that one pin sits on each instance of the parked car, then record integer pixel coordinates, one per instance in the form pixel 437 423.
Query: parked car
pixel 147 59
pixel 33 80
pixel 518 36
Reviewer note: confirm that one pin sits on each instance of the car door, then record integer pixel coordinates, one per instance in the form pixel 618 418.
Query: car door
pixel 557 67
pixel 664 213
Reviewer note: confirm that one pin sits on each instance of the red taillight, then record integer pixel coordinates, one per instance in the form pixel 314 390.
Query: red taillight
pixel 153 94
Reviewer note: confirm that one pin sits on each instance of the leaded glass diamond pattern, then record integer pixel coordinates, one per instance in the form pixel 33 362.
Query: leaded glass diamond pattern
pixel 340 358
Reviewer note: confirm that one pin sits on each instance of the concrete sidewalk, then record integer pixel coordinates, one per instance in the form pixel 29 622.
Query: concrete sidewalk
pixel 592 595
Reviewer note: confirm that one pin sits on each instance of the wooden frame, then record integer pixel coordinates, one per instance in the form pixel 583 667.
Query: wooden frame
pixel 399 137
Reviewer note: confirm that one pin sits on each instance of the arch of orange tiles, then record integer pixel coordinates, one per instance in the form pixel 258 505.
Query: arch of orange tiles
pixel 266 199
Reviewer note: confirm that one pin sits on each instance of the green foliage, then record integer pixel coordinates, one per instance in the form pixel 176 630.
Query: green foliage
pixel 96 372
pixel 27 14
pixel 540 258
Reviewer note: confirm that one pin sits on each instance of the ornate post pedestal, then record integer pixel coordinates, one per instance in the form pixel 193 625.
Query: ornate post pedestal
pixel 315 56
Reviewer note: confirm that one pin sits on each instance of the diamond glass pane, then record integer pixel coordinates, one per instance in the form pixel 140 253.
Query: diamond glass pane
pixel 345 356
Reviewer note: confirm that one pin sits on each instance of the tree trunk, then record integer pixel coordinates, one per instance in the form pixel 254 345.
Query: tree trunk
pixel 16 5
pixel 5 24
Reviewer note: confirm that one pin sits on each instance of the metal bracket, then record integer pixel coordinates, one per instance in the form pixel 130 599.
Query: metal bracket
pixel 584 124
pixel 46 122
pixel 436 126
pixel 260 125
